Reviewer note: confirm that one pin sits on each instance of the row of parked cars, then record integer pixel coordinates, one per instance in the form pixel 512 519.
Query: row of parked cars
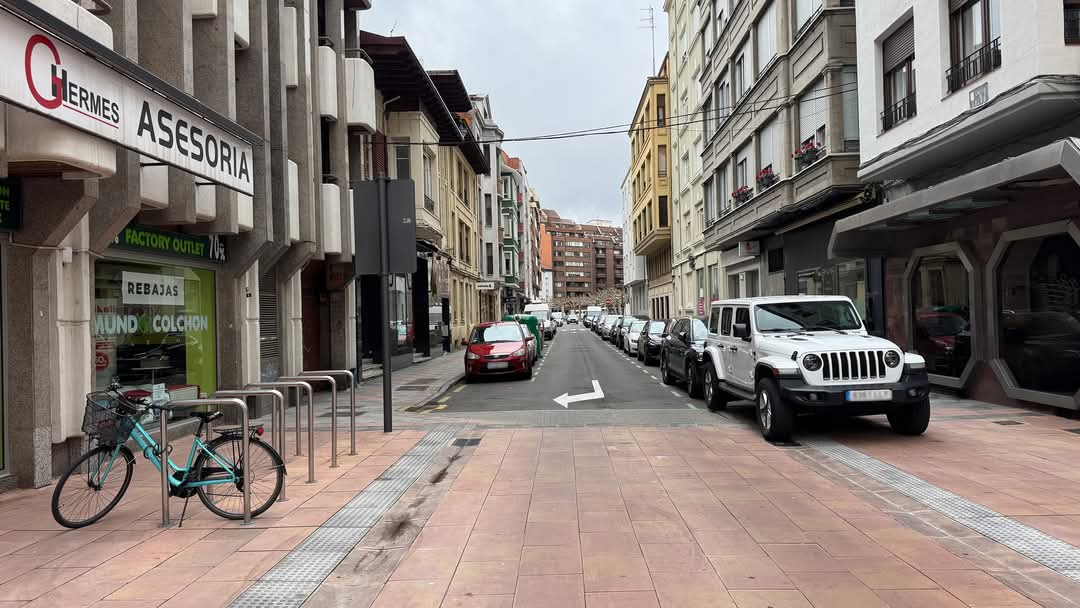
pixel 788 355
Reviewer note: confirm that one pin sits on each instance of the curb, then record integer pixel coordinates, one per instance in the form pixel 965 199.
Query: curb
pixel 442 389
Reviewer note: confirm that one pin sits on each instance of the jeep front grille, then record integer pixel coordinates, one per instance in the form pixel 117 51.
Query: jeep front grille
pixel 853 365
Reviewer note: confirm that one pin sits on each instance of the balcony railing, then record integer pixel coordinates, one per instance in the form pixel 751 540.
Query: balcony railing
pixel 429 204
pixel 982 61
pixel 1072 24
pixel 898 112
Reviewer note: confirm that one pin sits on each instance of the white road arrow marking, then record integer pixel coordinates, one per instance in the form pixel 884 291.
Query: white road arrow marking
pixel 565 399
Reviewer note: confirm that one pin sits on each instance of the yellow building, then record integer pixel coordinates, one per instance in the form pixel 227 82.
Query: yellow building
pixel 650 191
pixel 457 185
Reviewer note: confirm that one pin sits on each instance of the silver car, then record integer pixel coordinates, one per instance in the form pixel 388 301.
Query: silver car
pixel 630 339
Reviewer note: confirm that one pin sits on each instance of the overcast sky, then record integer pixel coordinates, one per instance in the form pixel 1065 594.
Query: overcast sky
pixel 549 66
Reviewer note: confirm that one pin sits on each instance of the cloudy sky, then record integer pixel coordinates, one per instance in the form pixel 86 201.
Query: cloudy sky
pixel 549 66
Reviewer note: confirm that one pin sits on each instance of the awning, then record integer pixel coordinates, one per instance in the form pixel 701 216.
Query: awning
pixel 1054 165
pixel 456 96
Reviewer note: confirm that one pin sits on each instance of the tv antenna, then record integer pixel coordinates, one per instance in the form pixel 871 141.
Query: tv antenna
pixel 650 24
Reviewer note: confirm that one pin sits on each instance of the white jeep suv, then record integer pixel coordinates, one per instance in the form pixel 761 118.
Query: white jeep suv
pixel 809 354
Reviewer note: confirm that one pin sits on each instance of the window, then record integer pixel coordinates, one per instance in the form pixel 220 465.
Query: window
pixel 402 161
pixel 489 258
pixel 708 36
pixel 752 284
pixel 765 37
pixel 742 167
pixel 813 110
pixel 723 101
pixel 487 210
pixel 682 43
pixel 898 65
pixel 661 110
pixel 725 321
pixel 768 144
pixel 708 189
pixel 663 209
pixel 804 11
pixel 849 97
pixel 429 174
pixel 975 30
pixel 1072 21
pixel 805 316
pixel 733 285
pixel 740 80
pixel 661 161
pixel 714 321
pixel 714 282
pixel 941 313
pixel 707 118
pixel 718 17
pixel 722 191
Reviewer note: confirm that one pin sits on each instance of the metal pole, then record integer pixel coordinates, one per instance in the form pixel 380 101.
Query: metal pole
pixel 245 430
pixel 333 412
pixel 384 273
pixel 163 444
pixel 301 385
pixel 277 419
pixel 352 400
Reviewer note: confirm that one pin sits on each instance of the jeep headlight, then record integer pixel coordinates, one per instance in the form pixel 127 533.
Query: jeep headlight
pixel 892 358
pixel 811 362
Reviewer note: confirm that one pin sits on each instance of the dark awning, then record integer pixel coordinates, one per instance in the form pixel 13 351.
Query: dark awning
pixel 452 89
pixel 398 74
pixel 1050 166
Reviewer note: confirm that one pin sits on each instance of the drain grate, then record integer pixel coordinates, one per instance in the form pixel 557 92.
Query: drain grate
pixel 464 443
pixel 293 579
pixel 1008 422
pixel 1030 542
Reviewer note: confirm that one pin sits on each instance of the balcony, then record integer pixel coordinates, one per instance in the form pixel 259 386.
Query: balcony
pixel 327 82
pixel 331 218
pixel 429 204
pixel 653 241
pixel 507 203
pixel 510 242
pixel 982 61
pixel 898 112
pixel 360 91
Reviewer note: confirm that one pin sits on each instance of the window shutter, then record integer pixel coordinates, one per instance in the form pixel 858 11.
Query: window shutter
pixel 776 260
pixel 899 46
pixel 955 5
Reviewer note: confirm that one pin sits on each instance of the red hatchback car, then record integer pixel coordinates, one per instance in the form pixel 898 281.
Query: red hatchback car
pixel 496 349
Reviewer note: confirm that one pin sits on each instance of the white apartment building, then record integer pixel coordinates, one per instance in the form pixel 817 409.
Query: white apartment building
pixel 636 290
pixel 689 258
pixel 969 113
pixel 491 279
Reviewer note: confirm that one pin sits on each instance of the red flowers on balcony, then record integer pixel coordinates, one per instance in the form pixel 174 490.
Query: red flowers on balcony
pixel 808 153
pixel 766 177
pixel 742 194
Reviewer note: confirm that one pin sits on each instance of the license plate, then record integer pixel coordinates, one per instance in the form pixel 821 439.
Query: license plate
pixel 883 394
pixel 502 365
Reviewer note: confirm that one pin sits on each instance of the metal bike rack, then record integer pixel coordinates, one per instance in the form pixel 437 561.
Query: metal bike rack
pixel 302 385
pixel 277 419
pixel 164 445
pixel 333 414
pixel 352 400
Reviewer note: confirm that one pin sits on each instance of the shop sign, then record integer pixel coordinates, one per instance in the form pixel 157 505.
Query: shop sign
pixel 210 248
pixel 701 307
pixel 10 205
pixel 121 325
pixel 749 248
pixel 162 289
pixel 47 76
pixel 485 286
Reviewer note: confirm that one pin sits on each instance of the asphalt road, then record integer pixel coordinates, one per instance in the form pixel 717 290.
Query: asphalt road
pixel 572 362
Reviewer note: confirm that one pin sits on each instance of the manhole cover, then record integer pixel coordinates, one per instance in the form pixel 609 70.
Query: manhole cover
pixel 1008 422
pixel 462 443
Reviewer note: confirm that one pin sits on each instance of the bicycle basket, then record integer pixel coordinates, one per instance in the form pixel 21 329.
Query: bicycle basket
pixel 104 422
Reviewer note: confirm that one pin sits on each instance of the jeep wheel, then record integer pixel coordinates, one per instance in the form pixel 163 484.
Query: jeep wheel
pixel 693 384
pixel 665 373
pixel 911 420
pixel 715 399
pixel 774 416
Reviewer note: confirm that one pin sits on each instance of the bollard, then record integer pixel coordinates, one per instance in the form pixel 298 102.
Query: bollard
pixel 333 412
pixel 302 385
pixel 352 400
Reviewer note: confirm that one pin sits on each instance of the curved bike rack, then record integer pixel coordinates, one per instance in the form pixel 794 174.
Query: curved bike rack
pixel 277 419
pixel 302 385
pixel 352 399
pixel 164 445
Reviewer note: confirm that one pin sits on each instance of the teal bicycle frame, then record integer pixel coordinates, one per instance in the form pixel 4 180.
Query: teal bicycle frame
pixel 150 451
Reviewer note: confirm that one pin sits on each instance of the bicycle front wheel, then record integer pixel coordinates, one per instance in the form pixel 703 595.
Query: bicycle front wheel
pixel 92 486
pixel 226 498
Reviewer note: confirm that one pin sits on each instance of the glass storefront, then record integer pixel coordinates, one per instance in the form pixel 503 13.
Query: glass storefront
pixel 401 322
pixel 1039 313
pixel 941 313
pixel 155 324
pixel 841 279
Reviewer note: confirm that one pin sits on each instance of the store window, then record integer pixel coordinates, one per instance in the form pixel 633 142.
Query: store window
pixel 155 324
pixel 401 326
pixel 941 313
pixel 1039 313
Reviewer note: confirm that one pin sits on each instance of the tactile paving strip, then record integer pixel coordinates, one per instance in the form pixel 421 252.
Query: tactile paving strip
pixel 292 580
pixel 1025 540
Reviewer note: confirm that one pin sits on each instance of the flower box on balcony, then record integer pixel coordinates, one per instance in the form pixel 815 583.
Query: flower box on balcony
pixel 766 178
pixel 807 154
pixel 742 194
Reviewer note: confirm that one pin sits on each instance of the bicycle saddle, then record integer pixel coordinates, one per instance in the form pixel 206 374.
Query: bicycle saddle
pixel 206 416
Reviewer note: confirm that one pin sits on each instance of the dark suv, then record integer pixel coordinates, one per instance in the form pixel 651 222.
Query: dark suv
pixel 651 340
pixel 681 354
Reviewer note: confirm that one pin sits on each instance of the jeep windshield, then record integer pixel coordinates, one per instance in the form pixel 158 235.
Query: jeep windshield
pixel 803 316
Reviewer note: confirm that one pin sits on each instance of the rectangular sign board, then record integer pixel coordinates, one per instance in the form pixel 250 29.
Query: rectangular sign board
pixel 49 77
pixel 401 227
pixel 10 205
pixel 176 244
pixel 157 289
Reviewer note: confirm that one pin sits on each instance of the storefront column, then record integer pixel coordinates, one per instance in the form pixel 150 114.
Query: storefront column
pixel 292 326
pixel 48 332
pixel 343 327
pixel 238 328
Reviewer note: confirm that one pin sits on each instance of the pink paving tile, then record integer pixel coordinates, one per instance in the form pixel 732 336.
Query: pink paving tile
pixel 479 601
pixel 836 590
pixel 886 573
pixel 484 578
pixel 691 590
pixel 750 573
pixel 484 546
pixel 549 591
pixel 656 509
pixel 846 543
pixel 127 604
pixel 12 566
pixel 553 511
pixel 622 599
pixel 770 599
pixel 551 533
pixel 556 559
pixel 37 582
pixel 728 543
pixel 803 558
pixel 615 572
pixel 159 583
pixel 411 594
pixel 605 521
pixel 18 539
pixel 443 537
pixel 422 564
pixel 80 591
pixel 244 566
pixel 598 543
pixel 675 557
pixel 278 539
pixel 216 594
pixel 62 544
pixel 662 532
pixel 920 598
pixel 977 588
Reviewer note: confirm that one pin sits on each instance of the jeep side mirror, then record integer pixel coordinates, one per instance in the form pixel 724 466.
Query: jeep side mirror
pixel 741 330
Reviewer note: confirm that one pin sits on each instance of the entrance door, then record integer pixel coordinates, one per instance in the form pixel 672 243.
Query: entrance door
pixel 446 324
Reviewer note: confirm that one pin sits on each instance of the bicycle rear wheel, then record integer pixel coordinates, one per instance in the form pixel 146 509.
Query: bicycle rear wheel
pixel 92 486
pixel 226 499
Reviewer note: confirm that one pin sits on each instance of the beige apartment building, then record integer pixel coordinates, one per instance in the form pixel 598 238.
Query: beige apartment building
pixel 780 153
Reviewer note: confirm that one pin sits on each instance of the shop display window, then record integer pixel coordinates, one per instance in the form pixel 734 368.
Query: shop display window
pixel 941 313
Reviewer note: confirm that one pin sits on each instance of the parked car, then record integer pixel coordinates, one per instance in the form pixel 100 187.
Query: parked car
pixel 651 340
pixel 633 333
pixel 624 327
pixel 598 322
pixel 611 328
pixel 807 354
pixel 500 348
pixel 571 319
pixel 533 349
pixel 681 354
pixel 558 317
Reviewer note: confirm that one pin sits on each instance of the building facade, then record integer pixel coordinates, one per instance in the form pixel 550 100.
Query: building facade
pixel 651 191
pixel 585 258
pixel 636 298
pixel 969 112
pixel 490 284
pixel 689 258
pixel 513 215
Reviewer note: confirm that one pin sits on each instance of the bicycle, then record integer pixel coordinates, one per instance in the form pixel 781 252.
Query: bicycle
pixel 214 471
